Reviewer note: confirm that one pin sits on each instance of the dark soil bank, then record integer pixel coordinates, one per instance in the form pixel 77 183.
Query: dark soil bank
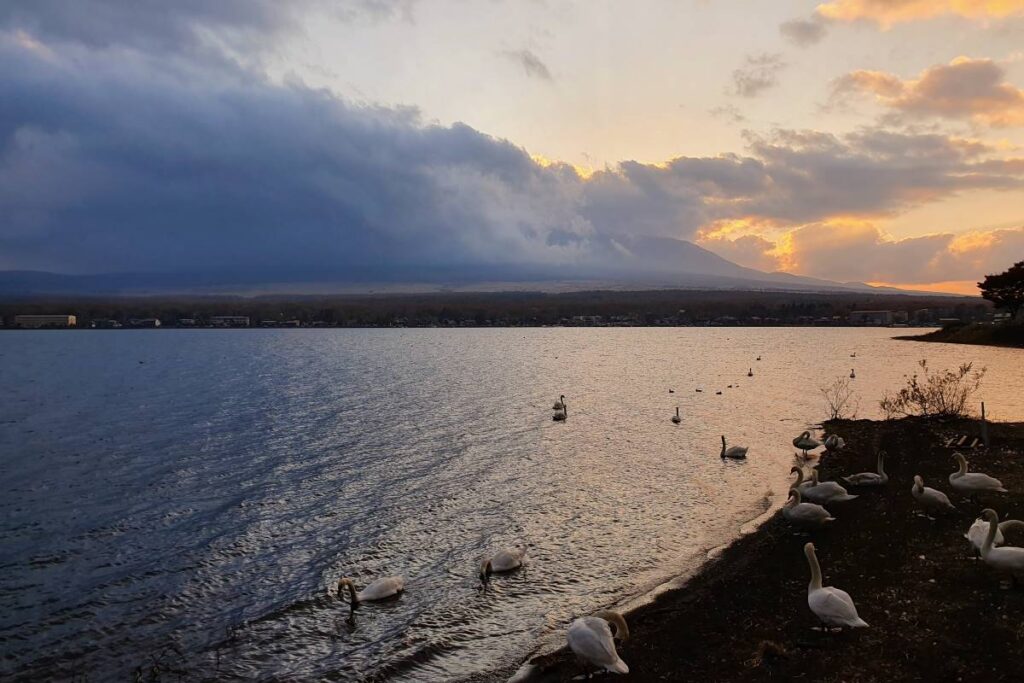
pixel 935 613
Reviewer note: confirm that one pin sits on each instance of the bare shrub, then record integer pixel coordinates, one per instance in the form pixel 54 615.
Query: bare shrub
pixel 842 403
pixel 934 394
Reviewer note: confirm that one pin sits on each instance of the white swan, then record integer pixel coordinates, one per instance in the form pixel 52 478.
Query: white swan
pixel 930 499
pixel 800 483
pixel 592 641
pixel 853 375
pixel 834 442
pixel 750 372
pixel 734 452
pixel 973 483
pixel 805 443
pixel 832 606
pixel 562 412
pixel 825 491
pixel 1007 560
pixel 377 590
pixel 505 560
pixel 870 478
pixel 676 418
pixel 560 403
pixel 805 515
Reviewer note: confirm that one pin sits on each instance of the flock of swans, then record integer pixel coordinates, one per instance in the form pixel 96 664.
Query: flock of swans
pixel 592 638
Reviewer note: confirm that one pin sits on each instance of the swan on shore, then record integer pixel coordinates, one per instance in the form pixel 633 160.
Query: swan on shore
pixel 834 442
pixel 825 491
pixel 804 515
pixel 979 530
pixel 805 443
pixel 834 607
pixel 930 499
pixel 380 589
pixel 973 483
pixel 879 478
pixel 505 560
pixel 559 403
pixel 592 640
pixel 734 452
pixel 1007 560
pixel 676 418
pixel 800 482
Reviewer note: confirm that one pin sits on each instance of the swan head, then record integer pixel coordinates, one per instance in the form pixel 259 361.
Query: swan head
pixel 959 457
pixel 809 549
pixel 485 570
pixel 990 515
pixel 918 482
pixel 794 495
pixel 616 620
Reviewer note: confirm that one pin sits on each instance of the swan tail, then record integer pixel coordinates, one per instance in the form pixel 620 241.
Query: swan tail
pixel 843 499
pixel 860 623
pixel 1001 489
pixel 619 667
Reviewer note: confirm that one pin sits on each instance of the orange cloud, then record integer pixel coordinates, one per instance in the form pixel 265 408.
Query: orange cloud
pixel 965 88
pixel 888 12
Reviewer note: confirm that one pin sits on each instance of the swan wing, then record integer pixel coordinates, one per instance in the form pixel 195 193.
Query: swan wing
pixel 979 530
pixel 834 607
pixel 1007 559
pixel 591 639
pixel 382 588
pixel 976 481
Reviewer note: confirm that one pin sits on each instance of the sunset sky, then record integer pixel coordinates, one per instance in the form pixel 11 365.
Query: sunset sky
pixel 870 140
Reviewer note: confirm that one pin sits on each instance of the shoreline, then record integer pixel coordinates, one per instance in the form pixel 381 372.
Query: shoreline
pixel 1006 336
pixel 935 613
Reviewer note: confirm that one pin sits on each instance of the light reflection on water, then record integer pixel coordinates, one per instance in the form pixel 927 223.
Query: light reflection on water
pixel 204 488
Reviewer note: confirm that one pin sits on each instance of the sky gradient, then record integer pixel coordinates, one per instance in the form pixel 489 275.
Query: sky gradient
pixel 869 140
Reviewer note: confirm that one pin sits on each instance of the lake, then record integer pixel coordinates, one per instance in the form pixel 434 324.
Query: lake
pixel 189 496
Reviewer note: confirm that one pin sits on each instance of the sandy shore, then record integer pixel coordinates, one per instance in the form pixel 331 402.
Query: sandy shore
pixel 936 614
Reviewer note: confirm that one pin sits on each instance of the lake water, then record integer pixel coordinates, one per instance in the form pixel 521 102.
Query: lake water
pixel 189 496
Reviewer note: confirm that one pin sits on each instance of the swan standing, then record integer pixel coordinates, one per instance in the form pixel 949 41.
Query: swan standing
pixel 972 483
pixel 804 515
pixel 734 452
pixel 805 443
pixel 592 640
pixel 676 418
pixel 505 560
pixel 870 478
pixel 380 589
pixel 1009 560
pixel 928 498
pixel 834 607
pixel 825 491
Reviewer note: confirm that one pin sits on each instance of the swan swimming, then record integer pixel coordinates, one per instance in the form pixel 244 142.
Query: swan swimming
pixel 879 478
pixel 750 372
pixel 592 640
pixel 560 403
pixel 930 499
pixel 676 418
pixel 973 483
pixel 1006 560
pixel 562 412
pixel 804 515
pixel 853 375
pixel 734 452
pixel 825 491
pixel 805 443
pixel 834 607
pixel 505 560
pixel 380 589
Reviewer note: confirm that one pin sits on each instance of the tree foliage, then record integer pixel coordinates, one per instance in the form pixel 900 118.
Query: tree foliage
pixel 1006 289
pixel 934 394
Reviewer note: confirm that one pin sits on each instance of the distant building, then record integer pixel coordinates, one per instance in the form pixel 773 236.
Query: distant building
pixel 144 322
pixel 37 321
pixel 186 322
pixel 871 317
pixel 105 324
pixel 229 320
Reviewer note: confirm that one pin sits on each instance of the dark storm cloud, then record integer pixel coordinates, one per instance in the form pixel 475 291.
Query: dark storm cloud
pixel 109 164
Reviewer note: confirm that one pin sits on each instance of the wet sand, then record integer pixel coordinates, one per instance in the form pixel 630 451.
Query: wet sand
pixel 935 613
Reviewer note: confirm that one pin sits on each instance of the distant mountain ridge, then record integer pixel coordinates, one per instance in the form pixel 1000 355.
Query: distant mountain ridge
pixel 625 261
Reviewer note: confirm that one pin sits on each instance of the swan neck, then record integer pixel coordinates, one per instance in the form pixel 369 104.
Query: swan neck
pixel 485 569
pixel 962 461
pixel 881 464
pixel 990 537
pixel 799 476
pixel 616 620
pixel 812 560
pixel 347 583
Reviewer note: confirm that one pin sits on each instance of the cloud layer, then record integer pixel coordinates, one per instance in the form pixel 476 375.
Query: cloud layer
pixel 965 88
pixel 889 12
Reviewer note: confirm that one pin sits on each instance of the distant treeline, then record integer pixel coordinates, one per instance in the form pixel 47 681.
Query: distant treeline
pixel 657 307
